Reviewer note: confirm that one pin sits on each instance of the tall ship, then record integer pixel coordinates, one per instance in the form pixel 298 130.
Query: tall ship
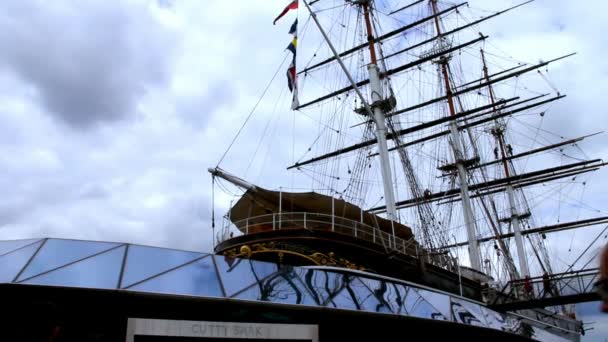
pixel 426 188
pixel 427 160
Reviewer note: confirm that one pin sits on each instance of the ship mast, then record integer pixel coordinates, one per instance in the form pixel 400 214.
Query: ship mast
pixel 379 116
pixel 498 132
pixel 372 109
pixel 473 246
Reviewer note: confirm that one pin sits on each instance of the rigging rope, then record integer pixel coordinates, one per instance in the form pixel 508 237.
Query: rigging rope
pixel 253 110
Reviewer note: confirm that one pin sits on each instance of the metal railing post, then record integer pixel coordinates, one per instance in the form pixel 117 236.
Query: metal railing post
pixel 247 226
pixel 374 234
pixel 333 219
pixel 273 222
pixel 280 205
pixel 305 221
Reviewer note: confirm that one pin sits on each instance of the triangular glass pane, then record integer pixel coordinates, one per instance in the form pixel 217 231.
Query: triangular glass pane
pixel 495 319
pixel 355 296
pixel 238 274
pixel 415 305
pixel 440 301
pixel 198 278
pixel 381 291
pixel 56 253
pixel 9 246
pixel 144 262
pixel 468 313
pixel 12 263
pixel 282 287
pixel 100 272
pixel 321 284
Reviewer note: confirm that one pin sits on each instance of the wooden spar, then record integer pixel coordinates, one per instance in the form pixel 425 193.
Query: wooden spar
pixel 395 71
pixel 506 106
pixel 381 38
pixel 526 179
pixel 479 86
pixel 458 29
pixel 399 133
pixel 534 151
pixel 493 75
pixel 420 127
pixel 406 7
pixel 546 229
pixel 478 122
pixel 524 184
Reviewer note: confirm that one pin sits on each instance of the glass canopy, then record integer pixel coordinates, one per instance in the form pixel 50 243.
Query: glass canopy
pixel 103 265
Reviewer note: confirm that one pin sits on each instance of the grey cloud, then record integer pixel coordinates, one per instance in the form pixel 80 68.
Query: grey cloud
pixel 89 62
pixel 197 109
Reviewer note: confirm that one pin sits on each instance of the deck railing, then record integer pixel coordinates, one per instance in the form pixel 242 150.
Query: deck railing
pixel 317 222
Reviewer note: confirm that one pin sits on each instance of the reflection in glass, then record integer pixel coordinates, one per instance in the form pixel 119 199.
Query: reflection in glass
pixel 495 320
pixel 101 271
pixel 56 253
pixel 462 315
pixel 195 279
pixel 282 287
pixel 352 295
pixel 12 263
pixel 144 262
pixel 9 246
pixel 415 305
pixel 439 301
pixel 238 274
pixel 377 302
pixel 322 285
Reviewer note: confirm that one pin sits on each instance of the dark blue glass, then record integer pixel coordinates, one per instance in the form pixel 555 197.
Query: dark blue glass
pixel 282 287
pixel 9 246
pixel 144 262
pixel 238 274
pixel 439 301
pixel 56 253
pixel 198 278
pixel 99 272
pixel 12 263
pixel 321 284
pixel 467 313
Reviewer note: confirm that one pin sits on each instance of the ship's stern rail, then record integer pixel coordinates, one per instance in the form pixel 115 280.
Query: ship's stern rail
pixel 318 222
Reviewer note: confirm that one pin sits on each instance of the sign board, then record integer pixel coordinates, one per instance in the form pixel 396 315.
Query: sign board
pixel 141 329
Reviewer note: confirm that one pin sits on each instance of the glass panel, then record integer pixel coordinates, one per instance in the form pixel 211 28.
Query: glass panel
pixel 395 296
pixel 440 301
pixel 144 262
pixel 356 296
pixel 9 246
pixel 195 279
pixel 12 263
pixel 100 271
pixel 377 302
pixel 466 312
pixel 282 287
pixel 495 319
pixel 321 284
pixel 238 274
pixel 56 253
pixel 415 305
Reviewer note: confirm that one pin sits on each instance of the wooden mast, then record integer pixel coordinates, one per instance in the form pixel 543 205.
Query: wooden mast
pixel 473 247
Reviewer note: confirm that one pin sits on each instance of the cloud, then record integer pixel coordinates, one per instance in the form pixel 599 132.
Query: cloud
pixel 88 62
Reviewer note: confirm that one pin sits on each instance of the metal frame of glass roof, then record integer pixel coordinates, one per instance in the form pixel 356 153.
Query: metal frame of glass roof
pixel 129 267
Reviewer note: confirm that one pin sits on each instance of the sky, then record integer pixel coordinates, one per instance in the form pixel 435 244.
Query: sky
pixel 112 111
